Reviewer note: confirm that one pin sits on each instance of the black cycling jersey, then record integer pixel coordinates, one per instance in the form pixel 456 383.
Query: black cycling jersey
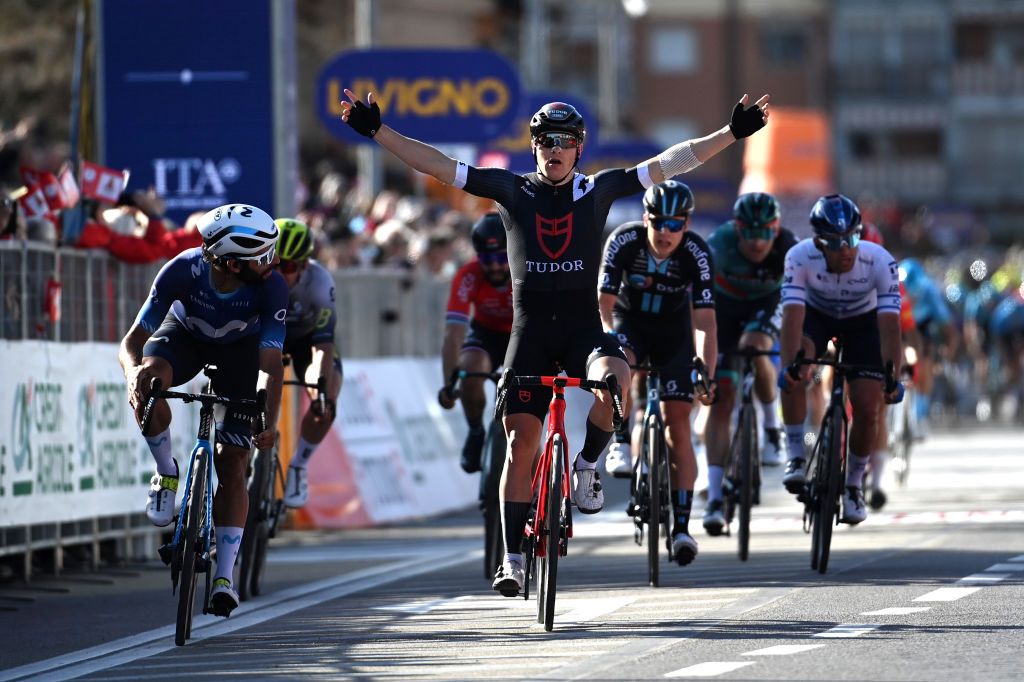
pixel 554 233
pixel 649 288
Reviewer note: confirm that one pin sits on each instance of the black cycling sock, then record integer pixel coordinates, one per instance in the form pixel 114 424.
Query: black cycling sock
pixel 513 524
pixel 682 502
pixel 595 442
pixel 475 424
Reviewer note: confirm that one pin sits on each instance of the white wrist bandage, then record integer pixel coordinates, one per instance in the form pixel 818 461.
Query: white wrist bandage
pixel 678 159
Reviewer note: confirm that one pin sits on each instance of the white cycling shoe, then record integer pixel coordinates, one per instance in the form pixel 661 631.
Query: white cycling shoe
pixel 618 461
pixel 774 452
pixel 854 510
pixel 223 598
pixel 684 548
pixel 509 579
pixel 587 491
pixel 296 489
pixel 160 508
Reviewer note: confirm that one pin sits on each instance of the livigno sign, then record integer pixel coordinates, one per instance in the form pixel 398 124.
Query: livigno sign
pixel 434 95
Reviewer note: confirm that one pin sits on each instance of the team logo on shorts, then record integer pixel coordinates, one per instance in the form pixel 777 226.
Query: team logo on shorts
pixel 554 235
pixel 525 396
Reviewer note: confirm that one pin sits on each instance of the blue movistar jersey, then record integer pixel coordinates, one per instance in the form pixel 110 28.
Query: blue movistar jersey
pixel 1008 317
pixel 929 305
pixel 978 304
pixel 184 286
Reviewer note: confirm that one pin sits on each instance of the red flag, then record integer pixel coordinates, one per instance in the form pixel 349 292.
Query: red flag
pixel 33 202
pixel 30 176
pixel 70 187
pixel 53 192
pixel 101 183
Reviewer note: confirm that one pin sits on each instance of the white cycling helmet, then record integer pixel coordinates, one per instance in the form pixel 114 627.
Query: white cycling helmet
pixel 239 231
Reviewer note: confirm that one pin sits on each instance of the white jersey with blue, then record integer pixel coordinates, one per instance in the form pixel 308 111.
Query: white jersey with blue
pixel 872 284
pixel 184 286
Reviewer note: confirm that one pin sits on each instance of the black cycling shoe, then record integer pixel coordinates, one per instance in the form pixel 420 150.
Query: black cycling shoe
pixel 878 499
pixel 472 449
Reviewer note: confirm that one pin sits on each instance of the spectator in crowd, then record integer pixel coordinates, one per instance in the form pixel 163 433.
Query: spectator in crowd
pixel 11 224
pixel 434 253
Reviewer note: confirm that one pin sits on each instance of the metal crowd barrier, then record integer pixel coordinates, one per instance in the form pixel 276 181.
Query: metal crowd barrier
pixel 380 313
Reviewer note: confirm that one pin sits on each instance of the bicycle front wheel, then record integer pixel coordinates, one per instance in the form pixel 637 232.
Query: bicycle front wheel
pixel 267 509
pixel 748 441
pixel 494 462
pixel 830 467
pixel 553 531
pixel 652 462
pixel 195 513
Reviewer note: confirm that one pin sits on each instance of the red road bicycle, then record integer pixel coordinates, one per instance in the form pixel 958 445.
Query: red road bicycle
pixel 550 527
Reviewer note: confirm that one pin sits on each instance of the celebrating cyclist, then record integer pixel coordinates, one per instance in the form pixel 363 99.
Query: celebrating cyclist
pixel 750 252
pixel 309 340
pixel 480 301
pixel 647 274
pixel 227 308
pixel 836 286
pixel 553 219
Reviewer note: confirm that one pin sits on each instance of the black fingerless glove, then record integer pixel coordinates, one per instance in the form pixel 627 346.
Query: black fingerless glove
pixel 365 120
pixel 744 122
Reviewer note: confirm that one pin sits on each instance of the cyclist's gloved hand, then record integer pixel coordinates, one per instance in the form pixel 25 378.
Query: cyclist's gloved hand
pixel 265 439
pixel 445 398
pixel 364 119
pixel 895 394
pixel 786 380
pixel 746 121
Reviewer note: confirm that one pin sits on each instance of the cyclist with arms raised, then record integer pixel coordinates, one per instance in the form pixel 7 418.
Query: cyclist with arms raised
pixel 227 308
pixel 645 299
pixel 309 341
pixel 553 219
pixel 480 301
pixel 836 285
pixel 750 252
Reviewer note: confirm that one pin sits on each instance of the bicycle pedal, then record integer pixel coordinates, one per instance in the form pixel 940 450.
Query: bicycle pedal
pixel 166 553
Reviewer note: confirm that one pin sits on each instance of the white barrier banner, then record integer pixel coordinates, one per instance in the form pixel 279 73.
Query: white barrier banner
pixel 69 445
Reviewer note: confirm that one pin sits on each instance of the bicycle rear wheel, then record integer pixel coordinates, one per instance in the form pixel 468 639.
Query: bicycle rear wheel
pixel 553 541
pixel 195 515
pixel 745 468
pixel 254 521
pixel 652 456
pixel 830 466
pixel 263 527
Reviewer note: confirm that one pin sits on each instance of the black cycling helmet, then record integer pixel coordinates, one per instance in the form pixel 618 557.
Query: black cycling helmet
pixel 489 234
pixel 756 209
pixel 668 198
pixel 558 117
pixel 835 215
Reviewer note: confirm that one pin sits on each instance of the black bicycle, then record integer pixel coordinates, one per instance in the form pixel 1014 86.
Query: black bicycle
pixel 490 475
pixel 743 483
pixel 821 494
pixel 266 506
pixel 190 551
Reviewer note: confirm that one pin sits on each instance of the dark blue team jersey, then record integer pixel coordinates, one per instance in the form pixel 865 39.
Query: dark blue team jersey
pixel 184 286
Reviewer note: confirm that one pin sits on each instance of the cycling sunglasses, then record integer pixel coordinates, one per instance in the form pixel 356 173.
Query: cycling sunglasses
pixel 751 233
pixel 837 243
pixel 493 258
pixel 670 224
pixel 288 267
pixel 563 140
pixel 264 258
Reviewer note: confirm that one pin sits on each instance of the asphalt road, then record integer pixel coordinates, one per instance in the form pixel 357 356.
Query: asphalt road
pixel 930 588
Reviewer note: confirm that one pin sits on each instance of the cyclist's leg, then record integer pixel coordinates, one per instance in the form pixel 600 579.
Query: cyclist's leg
pixel 170 353
pixel 480 346
pixel 862 346
pixel 619 461
pixel 763 333
pixel 731 318
pixel 816 333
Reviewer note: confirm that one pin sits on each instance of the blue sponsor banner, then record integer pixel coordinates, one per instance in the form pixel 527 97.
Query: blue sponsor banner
pixel 512 150
pixel 187 100
pixel 434 95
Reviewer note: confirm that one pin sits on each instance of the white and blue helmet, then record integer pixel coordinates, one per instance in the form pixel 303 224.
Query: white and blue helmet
pixel 239 231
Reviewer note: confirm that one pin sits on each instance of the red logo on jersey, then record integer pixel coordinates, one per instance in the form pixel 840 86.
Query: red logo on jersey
pixel 554 235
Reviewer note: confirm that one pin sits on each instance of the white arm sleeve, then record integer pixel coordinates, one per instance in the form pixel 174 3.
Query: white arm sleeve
pixel 678 159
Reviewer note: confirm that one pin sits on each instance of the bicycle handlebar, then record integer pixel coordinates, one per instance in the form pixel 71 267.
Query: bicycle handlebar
pixel 207 399
pixel 889 371
pixel 454 388
pixel 610 384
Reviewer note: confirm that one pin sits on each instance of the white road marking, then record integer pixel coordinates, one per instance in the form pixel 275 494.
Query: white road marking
pixel 595 608
pixel 1006 567
pixel 153 642
pixel 1018 558
pixel 896 611
pixel 947 594
pixel 709 669
pixel 783 649
pixel 847 630
pixel 986 578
